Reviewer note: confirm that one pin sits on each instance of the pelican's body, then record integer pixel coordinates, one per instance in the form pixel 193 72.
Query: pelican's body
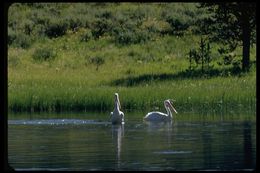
pixel 117 116
pixel 157 116
pixel 160 116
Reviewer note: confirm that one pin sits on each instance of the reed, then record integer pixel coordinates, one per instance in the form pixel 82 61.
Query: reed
pixel 200 95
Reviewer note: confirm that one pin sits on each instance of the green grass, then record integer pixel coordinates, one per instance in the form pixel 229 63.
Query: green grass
pixel 214 95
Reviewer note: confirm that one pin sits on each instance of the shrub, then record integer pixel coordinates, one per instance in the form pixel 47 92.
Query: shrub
pixel 179 25
pixel 43 54
pixel 97 60
pixel 56 28
pixel 13 60
pixel 125 36
pixel 139 13
pixel 19 40
pixel 11 36
pixel 75 22
pixel 105 14
pixel 155 26
pixel 180 17
pixel 85 35
pixel 100 27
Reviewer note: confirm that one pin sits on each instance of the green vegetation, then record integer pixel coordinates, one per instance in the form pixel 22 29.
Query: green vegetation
pixel 74 57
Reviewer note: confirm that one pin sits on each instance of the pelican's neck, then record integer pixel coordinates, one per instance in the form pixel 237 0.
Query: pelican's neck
pixel 169 113
pixel 116 106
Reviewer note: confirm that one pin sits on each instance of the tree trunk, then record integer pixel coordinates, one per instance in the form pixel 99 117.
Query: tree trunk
pixel 246 42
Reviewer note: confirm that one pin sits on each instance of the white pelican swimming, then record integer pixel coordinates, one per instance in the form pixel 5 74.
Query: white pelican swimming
pixel 117 116
pixel 159 116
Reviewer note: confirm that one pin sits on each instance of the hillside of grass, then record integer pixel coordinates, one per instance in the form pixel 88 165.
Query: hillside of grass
pixel 74 57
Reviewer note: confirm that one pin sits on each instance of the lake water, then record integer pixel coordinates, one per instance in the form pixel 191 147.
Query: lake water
pixel 88 141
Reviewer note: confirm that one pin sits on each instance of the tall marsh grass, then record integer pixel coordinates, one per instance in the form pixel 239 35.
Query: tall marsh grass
pixel 217 95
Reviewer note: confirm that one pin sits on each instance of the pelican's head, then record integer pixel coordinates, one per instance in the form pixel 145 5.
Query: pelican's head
pixel 169 104
pixel 117 100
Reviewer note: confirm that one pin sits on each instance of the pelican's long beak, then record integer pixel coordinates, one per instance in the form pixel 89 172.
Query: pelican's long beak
pixel 119 103
pixel 173 108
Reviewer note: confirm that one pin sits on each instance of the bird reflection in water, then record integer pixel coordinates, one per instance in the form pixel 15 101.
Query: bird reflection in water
pixel 162 129
pixel 158 126
pixel 117 134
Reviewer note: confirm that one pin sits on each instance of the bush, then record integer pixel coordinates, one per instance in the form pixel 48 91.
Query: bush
pixel 11 36
pixel 20 40
pixel 105 14
pixel 43 54
pixel 85 35
pixel 139 13
pixel 179 25
pixel 97 60
pixel 155 26
pixel 100 27
pixel 13 60
pixel 181 16
pixel 56 28
pixel 131 36
pixel 75 22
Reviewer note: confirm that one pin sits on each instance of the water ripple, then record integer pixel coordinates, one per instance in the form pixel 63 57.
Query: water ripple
pixel 172 152
pixel 54 122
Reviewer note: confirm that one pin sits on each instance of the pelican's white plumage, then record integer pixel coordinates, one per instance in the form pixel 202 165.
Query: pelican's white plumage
pixel 117 116
pixel 159 116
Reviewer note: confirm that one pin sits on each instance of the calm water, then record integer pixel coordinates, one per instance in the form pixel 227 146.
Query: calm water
pixel 89 142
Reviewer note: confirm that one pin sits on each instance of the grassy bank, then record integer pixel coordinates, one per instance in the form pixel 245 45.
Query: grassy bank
pixel 49 89
pixel 66 73
pixel 72 83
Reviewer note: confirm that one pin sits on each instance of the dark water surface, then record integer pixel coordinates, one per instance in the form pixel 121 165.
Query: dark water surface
pixel 89 142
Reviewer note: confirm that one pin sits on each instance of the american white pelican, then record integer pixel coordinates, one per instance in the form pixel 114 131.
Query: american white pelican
pixel 159 116
pixel 117 116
